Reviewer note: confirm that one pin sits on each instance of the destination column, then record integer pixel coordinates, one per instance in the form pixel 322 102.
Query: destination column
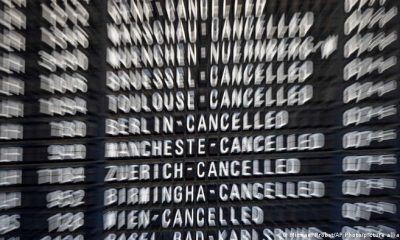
pixel 151 79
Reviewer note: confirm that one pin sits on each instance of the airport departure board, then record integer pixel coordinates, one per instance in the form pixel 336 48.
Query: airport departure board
pixel 199 119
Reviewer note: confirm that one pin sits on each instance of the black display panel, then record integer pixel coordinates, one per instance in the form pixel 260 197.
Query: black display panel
pixel 199 119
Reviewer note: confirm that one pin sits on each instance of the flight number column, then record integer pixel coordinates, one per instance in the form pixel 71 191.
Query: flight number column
pixel 63 120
